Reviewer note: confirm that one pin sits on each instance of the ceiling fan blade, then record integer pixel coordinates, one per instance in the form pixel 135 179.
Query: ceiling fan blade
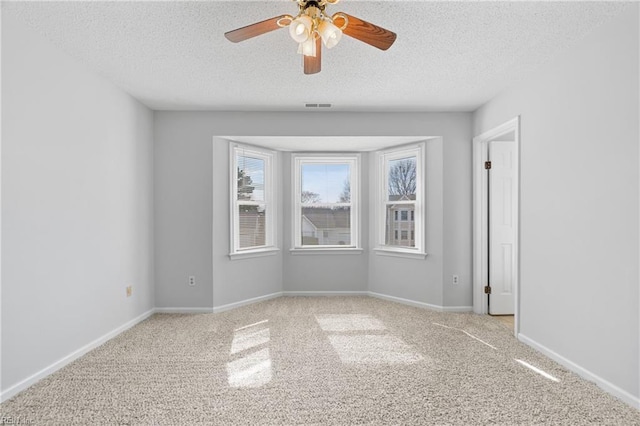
pixel 366 32
pixel 312 64
pixel 253 30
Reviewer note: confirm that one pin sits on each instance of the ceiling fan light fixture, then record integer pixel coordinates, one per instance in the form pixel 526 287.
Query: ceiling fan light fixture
pixel 308 47
pixel 300 28
pixel 312 27
pixel 329 33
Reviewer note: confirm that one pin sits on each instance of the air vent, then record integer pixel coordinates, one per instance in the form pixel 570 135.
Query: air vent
pixel 317 105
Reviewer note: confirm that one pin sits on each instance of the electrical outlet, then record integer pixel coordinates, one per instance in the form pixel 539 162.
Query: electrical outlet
pixel 129 290
pixel 192 280
pixel 456 279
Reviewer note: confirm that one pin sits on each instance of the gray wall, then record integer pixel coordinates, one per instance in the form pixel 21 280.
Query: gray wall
pixel 77 213
pixel 579 201
pixel 419 280
pixel 238 279
pixel 192 238
pixel 448 228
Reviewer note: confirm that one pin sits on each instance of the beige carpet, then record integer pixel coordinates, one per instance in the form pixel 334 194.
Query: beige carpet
pixel 333 360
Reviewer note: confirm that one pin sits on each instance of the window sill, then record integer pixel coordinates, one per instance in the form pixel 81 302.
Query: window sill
pixel 400 253
pixel 307 251
pixel 271 251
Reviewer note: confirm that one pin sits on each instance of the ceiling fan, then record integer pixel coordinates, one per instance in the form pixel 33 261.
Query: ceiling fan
pixel 312 27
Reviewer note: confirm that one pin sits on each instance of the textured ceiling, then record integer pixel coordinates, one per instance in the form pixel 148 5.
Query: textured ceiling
pixel 449 56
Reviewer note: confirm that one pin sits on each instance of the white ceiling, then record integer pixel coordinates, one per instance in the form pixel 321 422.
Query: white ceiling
pixel 449 56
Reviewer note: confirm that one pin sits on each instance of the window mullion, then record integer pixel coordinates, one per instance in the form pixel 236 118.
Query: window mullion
pixel 326 205
pixel 251 203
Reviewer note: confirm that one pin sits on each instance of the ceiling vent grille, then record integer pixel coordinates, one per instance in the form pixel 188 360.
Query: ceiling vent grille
pixel 317 105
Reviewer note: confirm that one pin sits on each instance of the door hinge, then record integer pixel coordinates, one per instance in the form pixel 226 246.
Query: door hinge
pixel 487 289
pixel 487 165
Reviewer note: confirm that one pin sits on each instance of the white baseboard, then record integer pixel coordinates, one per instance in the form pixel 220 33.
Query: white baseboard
pixel 405 301
pixel 607 386
pixel 457 309
pixel 183 310
pixel 325 293
pixel 20 386
pixel 421 304
pixel 234 305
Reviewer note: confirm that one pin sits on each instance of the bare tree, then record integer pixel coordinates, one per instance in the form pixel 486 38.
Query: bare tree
pixel 345 196
pixel 310 197
pixel 402 178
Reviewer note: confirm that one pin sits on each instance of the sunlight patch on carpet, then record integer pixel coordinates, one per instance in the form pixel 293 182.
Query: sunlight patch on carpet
pixel 249 338
pixel 349 322
pixel 537 370
pixel 251 371
pixel 468 334
pixel 253 325
pixel 373 349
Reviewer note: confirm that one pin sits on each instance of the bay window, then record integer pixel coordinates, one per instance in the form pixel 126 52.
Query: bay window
pixel 325 200
pixel 400 215
pixel 253 208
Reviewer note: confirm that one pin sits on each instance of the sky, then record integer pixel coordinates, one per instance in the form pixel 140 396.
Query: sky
pixel 326 180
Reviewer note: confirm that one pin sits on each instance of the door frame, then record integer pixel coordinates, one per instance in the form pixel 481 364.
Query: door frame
pixel 480 146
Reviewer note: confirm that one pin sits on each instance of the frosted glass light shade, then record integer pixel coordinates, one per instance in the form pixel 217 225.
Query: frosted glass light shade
pixel 300 28
pixel 308 48
pixel 330 34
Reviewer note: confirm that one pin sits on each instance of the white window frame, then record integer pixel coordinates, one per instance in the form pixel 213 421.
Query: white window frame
pixel 383 159
pixel 270 202
pixel 298 160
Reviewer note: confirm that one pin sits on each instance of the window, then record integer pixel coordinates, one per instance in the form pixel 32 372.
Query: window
pixel 252 201
pixel 400 217
pixel 325 200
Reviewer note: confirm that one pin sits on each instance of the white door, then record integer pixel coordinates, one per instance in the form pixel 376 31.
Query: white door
pixel 502 227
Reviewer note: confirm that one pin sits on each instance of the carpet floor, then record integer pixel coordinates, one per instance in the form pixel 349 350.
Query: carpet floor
pixel 316 361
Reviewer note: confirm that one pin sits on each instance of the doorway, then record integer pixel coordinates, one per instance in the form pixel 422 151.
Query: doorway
pixel 496 221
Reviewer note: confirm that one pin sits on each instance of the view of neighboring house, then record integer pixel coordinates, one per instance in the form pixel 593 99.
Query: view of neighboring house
pixel 325 226
pixel 400 226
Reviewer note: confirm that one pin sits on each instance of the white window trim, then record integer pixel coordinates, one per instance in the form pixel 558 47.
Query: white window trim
pixel 331 250
pixel 353 159
pixel 406 253
pixel 261 252
pixel 383 157
pixel 270 201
